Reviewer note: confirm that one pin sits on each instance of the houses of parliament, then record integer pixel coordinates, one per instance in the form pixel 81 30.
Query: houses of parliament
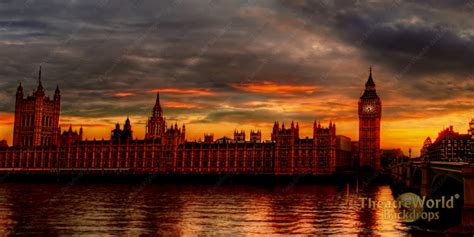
pixel 40 145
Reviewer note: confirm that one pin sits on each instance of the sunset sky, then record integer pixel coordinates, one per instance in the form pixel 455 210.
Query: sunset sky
pixel 225 65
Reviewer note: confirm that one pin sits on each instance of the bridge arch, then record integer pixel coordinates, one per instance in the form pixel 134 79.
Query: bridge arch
pixel 446 183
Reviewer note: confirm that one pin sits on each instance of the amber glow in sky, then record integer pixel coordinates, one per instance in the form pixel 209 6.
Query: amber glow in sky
pixel 243 64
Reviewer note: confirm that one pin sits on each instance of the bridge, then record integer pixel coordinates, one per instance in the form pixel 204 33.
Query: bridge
pixel 432 178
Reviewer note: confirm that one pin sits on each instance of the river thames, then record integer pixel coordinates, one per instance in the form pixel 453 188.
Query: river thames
pixel 190 210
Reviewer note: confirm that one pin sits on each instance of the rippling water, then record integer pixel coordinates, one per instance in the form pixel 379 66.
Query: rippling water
pixel 183 209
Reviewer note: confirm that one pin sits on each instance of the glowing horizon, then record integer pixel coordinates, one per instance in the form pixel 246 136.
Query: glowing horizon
pixel 403 133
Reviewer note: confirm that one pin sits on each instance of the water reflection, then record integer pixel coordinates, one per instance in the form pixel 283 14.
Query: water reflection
pixel 180 209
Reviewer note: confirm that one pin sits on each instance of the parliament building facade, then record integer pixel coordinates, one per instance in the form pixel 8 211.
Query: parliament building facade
pixel 38 145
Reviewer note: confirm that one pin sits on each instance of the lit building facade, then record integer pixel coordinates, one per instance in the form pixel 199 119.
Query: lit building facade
pixel 36 117
pixel 452 146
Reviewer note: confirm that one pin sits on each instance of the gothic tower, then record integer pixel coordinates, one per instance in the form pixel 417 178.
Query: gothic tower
pixel 156 125
pixel 239 136
pixel 370 113
pixel 127 133
pixel 285 140
pixel 36 117
pixel 324 148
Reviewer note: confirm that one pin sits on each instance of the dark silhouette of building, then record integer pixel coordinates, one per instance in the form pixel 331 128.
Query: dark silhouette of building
pixel 116 134
pixel 424 149
pixel 255 136
pixel 343 153
pixel 370 113
pixel 355 153
pixel 69 137
pixel 127 133
pixel 209 138
pixel 239 136
pixel 392 156
pixel 122 135
pixel 36 117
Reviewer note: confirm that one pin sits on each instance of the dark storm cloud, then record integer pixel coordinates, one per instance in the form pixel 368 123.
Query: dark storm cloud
pixel 398 33
pixel 94 49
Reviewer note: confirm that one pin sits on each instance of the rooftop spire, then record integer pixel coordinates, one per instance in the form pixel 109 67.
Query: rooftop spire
pixel 157 111
pixel 40 86
pixel 370 82
pixel 39 77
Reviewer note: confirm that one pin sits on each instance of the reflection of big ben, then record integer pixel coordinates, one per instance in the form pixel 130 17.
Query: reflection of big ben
pixel 370 112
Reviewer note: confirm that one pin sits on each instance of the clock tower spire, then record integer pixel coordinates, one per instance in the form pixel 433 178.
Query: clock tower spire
pixel 370 113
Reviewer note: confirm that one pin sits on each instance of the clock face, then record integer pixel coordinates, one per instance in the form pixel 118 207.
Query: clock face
pixel 369 109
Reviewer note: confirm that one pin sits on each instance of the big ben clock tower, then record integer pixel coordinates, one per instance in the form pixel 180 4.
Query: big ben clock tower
pixel 370 113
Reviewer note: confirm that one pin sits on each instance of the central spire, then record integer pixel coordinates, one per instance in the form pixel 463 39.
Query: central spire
pixel 40 85
pixel 39 93
pixel 157 111
pixel 39 76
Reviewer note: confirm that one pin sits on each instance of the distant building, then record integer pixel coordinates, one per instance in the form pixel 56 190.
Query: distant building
pixel 255 136
pixel 69 137
pixel 239 136
pixel 122 135
pixel 452 146
pixel 3 143
pixel 343 153
pixel 424 149
pixel 209 138
pixel 355 153
pixel 391 156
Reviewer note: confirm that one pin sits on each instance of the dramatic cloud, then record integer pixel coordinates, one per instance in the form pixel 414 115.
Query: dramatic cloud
pixel 272 88
pixel 220 65
pixel 200 92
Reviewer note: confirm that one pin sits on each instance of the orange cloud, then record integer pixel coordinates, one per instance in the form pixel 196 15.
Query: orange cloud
pixel 123 94
pixel 171 104
pixel 196 91
pixel 271 87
